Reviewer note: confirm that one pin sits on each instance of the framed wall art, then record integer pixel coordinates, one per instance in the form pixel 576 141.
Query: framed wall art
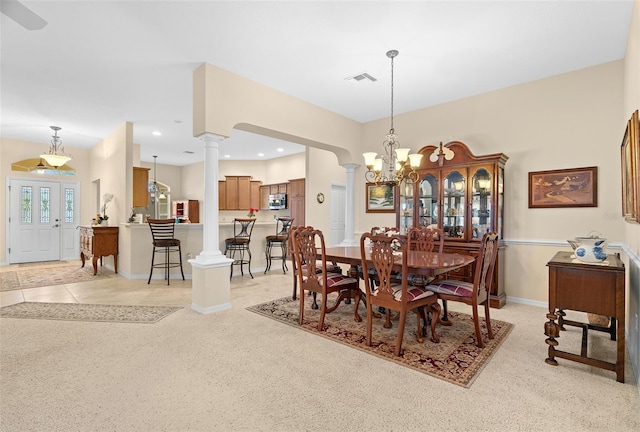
pixel 381 198
pixel 629 152
pixel 575 187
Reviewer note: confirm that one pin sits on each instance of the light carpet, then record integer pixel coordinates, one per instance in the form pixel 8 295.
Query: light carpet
pixel 49 275
pixel 456 359
pixel 88 312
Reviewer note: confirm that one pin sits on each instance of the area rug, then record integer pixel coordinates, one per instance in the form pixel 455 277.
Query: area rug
pixel 48 275
pixel 456 359
pixel 88 312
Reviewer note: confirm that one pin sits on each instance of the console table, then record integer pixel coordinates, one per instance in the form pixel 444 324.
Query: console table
pixel 97 241
pixel 591 288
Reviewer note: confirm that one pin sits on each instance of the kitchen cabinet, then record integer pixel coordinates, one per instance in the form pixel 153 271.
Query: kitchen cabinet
pixel 265 191
pixel 140 187
pixel 464 197
pixel 272 189
pixel 186 210
pixel 296 200
pixel 222 195
pixel 254 194
pixel 237 192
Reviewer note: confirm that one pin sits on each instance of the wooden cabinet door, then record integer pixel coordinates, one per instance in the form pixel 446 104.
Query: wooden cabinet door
pixel 255 196
pixel 140 187
pixel 264 197
pixel 244 193
pixel 222 195
pixel 296 201
pixel 231 198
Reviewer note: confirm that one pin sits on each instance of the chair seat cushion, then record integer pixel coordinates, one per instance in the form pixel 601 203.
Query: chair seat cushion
pixel 166 243
pixel 453 287
pixel 337 279
pixel 276 238
pixel 333 268
pixel 413 293
pixel 237 240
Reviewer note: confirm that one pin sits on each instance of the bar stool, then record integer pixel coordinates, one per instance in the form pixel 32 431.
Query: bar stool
pixel 283 226
pixel 164 241
pixel 239 243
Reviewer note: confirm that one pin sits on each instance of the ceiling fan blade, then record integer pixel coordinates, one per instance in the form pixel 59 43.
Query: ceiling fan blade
pixel 22 15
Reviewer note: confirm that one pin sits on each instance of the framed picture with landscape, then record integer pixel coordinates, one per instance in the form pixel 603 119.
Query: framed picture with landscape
pixel 381 198
pixel 575 187
pixel 629 152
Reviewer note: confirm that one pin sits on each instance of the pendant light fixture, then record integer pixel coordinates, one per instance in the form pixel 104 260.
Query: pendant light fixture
pixel 396 164
pixel 56 157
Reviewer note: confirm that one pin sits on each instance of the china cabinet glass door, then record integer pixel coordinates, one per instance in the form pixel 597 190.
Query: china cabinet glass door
pixel 428 201
pixel 453 218
pixel 481 203
pixel 406 207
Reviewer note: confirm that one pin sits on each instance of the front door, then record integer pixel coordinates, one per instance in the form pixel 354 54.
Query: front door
pixel 38 221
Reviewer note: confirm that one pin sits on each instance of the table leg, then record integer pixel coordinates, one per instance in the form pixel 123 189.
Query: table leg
pixel 95 265
pixel 552 331
pixel 82 257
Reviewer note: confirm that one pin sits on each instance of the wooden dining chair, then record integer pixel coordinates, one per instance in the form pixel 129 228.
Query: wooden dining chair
pixel 388 293
pixel 476 293
pixel 331 267
pixel 324 283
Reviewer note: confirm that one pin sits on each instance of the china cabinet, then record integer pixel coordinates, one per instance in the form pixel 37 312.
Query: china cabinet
pixel 186 211
pixel 464 196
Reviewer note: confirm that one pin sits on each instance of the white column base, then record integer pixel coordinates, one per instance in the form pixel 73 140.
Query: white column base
pixel 211 288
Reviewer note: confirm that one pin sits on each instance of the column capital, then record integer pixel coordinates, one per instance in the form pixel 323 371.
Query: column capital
pixel 211 138
pixel 350 167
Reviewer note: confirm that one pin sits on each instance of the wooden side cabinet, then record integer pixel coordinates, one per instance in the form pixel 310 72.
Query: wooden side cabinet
pixel 591 288
pixel 97 241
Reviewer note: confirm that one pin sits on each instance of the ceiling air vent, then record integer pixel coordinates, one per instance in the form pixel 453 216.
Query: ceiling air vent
pixel 188 152
pixel 362 77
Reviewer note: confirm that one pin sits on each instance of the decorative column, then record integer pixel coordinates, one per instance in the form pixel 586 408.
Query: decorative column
pixel 211 289
pixel 349 228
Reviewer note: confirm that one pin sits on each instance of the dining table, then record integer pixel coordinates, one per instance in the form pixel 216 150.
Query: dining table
pixel 419 262
pixel 429 264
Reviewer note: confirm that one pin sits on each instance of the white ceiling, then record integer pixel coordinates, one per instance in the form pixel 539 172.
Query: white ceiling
pixel 99 63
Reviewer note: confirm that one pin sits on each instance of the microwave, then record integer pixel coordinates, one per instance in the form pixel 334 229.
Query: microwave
pixel 278 201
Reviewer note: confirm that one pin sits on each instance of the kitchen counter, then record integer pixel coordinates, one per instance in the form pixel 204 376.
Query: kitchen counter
pixel 136 250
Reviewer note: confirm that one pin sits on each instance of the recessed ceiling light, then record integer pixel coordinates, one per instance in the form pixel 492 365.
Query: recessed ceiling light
pixel 280 149
pixel 156 133
pixel 227 156
pixel 260 154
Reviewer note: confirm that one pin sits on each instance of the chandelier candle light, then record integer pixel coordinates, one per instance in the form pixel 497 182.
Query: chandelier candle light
pixel 392 166
pixel 56 157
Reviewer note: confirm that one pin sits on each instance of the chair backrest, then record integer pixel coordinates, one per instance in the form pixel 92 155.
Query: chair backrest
pixel 242 227
pixel 384 252
pixel 162 229
pixel 283 226
pixel 304 240
pixel 485 263
pixel 385 230
pixel 425 239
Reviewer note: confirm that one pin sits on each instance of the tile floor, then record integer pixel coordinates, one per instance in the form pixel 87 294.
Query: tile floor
pixel 112 290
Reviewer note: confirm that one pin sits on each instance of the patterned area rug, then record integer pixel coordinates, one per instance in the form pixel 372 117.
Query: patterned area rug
pixel 455 359
pixel 88 312
pixel 48 275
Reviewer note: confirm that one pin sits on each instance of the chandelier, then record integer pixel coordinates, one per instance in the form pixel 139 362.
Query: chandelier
pixel 56 157
pixel 396 164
